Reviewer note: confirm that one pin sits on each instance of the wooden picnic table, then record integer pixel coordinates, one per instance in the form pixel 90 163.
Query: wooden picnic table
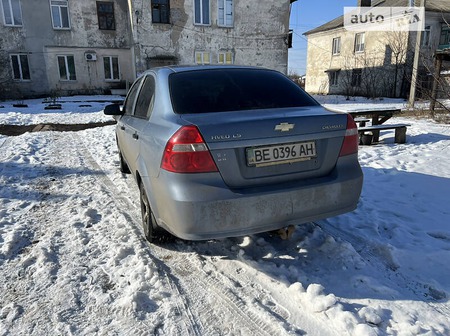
pixel 378 117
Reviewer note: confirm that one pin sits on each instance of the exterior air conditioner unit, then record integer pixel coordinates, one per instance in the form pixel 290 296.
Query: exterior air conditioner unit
pixel 90 56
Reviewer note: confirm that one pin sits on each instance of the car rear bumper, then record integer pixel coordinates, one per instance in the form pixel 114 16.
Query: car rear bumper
pixel 207 209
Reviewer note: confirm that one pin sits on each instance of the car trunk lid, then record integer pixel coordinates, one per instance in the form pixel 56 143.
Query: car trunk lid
pixel 261 147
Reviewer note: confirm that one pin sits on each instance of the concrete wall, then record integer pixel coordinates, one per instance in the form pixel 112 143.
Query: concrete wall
pixel 43 43
pixel 258 36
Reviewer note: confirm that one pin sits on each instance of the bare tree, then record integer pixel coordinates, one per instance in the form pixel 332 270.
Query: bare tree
pixel 396 59
pixel 373 74
pixel 350 77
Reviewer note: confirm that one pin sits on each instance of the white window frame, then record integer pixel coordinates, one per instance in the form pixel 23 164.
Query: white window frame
pixel 203 21
pixel 202 57
pixel 111 67
pixel 58 5
pixel 225 13
pixel 360 42
pixel 20 67
pixel 66 63
pixel 225 57
pixel 11 11
pixel 336 48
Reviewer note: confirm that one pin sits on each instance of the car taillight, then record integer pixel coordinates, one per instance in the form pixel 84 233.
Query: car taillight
pixel 186 152
pixel 351 139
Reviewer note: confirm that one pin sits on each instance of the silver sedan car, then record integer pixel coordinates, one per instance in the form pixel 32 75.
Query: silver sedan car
pixel 223 151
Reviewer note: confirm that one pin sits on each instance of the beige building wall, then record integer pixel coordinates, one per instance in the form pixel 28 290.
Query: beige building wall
pixel 386 63
pixel 321 61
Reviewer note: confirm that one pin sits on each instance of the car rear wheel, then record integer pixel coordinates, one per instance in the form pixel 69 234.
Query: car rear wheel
pixel 152 232
pixel 123 165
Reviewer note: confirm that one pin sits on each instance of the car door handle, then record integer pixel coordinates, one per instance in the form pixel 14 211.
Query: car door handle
pixel 122 128
pixel 135 136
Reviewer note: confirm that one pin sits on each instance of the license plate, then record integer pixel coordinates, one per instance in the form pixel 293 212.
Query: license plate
pixel 278 154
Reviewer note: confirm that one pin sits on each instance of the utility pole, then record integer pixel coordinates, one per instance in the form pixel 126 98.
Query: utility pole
pixel 412 92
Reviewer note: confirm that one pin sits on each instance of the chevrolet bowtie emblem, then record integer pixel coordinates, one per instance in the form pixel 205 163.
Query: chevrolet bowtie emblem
pixel 284 127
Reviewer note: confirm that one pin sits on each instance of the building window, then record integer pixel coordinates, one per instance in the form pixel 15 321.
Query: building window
pixel 445 35
pixel 111 67
pixel 426 36
pixel 60 14
pixel 359 42
pixel 202 57
pixel 12 13
pixel 334 77
pixel 20 67
pixel 225 15
pixel 105 14
pixel 201 12
pixel 356 77
pixel 66 66
pixel 225 57
pixel 336 46
pixel 160 11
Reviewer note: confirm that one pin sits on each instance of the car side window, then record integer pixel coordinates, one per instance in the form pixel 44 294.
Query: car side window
pixel 144 104
pixel 131 97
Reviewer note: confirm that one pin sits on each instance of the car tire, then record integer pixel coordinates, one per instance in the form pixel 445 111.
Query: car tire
pixel 123 165
pixel 152 232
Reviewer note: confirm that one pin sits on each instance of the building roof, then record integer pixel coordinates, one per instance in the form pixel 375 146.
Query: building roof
pixel 431 6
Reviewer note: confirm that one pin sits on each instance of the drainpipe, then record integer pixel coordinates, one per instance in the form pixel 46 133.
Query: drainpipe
pixel 412 92
pixel 133 39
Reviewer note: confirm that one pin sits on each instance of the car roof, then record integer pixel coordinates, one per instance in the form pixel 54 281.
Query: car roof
pixel 184 68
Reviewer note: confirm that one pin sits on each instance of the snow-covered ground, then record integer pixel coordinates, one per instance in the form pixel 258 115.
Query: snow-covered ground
pixel 73 260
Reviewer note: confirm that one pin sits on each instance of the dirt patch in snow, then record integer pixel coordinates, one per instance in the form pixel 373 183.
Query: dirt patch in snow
pixel 13 130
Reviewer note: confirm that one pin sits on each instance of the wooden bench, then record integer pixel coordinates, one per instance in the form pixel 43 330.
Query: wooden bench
pixel 400 131
pixel 361 121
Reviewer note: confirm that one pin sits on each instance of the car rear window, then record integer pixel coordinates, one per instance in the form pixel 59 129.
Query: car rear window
pixel 221 90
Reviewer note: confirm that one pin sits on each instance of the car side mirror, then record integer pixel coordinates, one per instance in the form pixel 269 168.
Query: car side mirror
pixel 113 109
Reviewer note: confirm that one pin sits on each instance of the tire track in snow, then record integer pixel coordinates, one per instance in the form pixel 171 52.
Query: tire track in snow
pixel 63 282
pixel 131 213
pixel 126 207
pixel 192 282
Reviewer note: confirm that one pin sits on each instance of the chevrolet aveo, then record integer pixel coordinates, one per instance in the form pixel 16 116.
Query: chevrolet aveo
pixel 223 151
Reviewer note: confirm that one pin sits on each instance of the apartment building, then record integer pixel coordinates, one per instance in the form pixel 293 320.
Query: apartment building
pixel 85 47
pixel 376 63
